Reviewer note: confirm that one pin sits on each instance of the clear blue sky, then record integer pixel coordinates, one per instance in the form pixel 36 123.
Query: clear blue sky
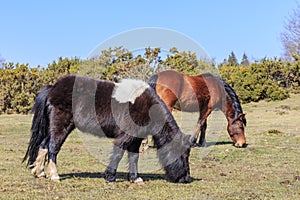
pixel 38 32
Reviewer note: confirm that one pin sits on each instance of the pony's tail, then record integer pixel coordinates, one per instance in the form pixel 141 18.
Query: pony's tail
pixel 152 81
pixel 39 128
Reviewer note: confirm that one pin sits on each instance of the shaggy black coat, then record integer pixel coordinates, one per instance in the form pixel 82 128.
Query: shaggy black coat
pixel 87 104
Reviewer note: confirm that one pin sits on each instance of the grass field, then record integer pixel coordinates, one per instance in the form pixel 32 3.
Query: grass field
pixel 269 168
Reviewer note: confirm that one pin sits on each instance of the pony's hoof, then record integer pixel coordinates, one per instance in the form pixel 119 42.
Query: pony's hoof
pixel 110 179
pixel 111 182
pixel 138 181
pixel 55 178
pixel 41 175
pixel 194 145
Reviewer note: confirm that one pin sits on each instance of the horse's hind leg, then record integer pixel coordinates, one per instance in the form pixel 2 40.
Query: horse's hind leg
pixel 202 125
pixel 201 128
pixel 202 141
pixel 60 127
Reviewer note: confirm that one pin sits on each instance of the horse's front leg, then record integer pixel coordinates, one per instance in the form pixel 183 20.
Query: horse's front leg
pixel 111 170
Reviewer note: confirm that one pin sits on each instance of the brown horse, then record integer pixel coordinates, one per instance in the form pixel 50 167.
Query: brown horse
pixel 202 94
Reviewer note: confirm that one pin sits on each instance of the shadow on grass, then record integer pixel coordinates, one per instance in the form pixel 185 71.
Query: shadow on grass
pixel 219 143
pixel 121 176
pixel 208 144
pixel 222 143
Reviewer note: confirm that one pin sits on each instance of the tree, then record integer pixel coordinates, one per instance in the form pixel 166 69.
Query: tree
pixel 232 60
pixel 290 37
pixel 187 62
pixel 245 61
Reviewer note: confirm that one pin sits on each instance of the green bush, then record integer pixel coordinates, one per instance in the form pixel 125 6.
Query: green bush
pixel 19 83
pixel 267 79
pixel 270 79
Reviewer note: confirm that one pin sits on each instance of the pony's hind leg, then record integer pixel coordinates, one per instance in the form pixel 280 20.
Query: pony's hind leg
pixel 37 168
pixel 59 130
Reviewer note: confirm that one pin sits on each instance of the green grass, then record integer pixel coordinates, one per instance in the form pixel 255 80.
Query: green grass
pixel 267 169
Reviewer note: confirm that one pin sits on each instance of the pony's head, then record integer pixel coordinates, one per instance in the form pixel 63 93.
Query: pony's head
pixel 176 158
pixel 236 130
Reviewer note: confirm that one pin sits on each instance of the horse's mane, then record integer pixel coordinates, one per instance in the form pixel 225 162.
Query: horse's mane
pixel 170 124
pixel 232 95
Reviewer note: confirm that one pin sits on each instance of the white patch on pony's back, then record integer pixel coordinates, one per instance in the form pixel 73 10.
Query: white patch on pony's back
pixel 128 90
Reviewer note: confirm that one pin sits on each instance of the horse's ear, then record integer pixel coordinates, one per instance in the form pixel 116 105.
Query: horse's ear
pixel 241 116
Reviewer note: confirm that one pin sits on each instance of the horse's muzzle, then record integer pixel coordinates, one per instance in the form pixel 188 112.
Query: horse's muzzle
pixel 240 145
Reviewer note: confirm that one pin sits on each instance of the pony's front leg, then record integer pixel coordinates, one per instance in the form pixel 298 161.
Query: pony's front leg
pixel 111 170
pixel 133 175
pixel 133 157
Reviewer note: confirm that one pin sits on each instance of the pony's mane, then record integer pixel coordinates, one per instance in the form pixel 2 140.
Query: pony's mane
pixel 128 90
pixel 232 95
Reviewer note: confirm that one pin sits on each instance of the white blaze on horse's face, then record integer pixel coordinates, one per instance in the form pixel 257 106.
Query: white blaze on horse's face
pixel 128 90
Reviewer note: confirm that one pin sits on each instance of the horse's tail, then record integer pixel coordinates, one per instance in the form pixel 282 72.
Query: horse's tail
pixel 152 81
pixel 39 128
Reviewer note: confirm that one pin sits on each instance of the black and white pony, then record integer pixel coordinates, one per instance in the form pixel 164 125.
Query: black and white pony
pixel 128 111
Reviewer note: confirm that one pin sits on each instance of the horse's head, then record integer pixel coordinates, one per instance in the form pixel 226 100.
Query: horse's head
pixel 236 130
